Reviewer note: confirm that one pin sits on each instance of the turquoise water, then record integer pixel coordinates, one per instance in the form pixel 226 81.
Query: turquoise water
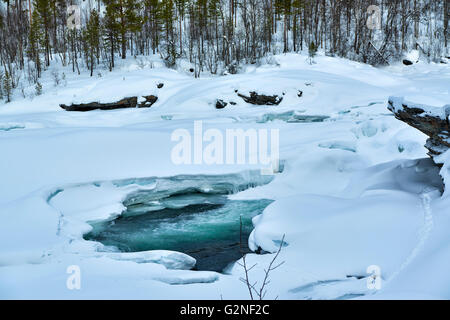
pixel 204 226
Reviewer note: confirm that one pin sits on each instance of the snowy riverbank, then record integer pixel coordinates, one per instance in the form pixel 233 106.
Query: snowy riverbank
pixel 356 190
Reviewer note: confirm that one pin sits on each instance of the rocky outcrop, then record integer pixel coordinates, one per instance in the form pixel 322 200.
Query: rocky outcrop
pixel 261 99
pixel 432 121
pixel 149 101
pixel 407 62
pixel 131 102
pixel 220 104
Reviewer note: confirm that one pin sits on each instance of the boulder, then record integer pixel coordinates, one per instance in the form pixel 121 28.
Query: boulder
pixel 220 104
pixel 149 101
pixel 160 85
pixel 261 100
pixel 407 62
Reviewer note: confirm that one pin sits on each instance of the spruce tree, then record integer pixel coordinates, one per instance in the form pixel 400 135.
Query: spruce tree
pixel 297 6
pixel 154 8
pixel 91 37
pixel 122 17
pixel 181 10
pixel 283 7
pixel 111 29
pixel 44 10
pixel 133 21
pixel 167 15
pixel 34 41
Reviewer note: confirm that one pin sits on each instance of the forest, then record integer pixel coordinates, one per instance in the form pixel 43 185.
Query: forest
pixel 215 36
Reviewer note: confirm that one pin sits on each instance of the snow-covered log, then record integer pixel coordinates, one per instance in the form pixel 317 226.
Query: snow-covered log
pixel 131 102
pixel 261 99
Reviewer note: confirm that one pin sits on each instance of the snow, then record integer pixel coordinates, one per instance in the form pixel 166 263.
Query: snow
pixel 440 112
pixel 413 56
pixel 356 190
pixel 444 160
pixel 171 260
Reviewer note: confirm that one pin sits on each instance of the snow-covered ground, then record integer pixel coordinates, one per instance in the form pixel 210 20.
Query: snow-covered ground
pixel 357 189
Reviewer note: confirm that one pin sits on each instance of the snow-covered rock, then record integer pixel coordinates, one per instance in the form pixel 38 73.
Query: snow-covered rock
pixel 432 121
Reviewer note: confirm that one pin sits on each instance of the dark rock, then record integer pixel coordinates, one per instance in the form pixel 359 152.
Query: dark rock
pixel 260 251
pixel 300 93
pixel 191 70
pixel 160 85
pixel 131 102
pixel 261 100
pixel 149 101
pixel 233 103
pixel 407 62
pixel 434 126
pixel 220 104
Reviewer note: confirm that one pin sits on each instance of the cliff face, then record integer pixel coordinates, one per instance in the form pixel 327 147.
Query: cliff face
pixel 433 121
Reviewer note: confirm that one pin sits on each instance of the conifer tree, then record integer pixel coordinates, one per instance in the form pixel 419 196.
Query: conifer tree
pixel 91 36
pixel 214 34
pixel 283 7
pixel 297 6
pixel 44 10
pixel 181 10
pixel 35 38
pixel 111 29
pixel 133 20
pixel 124 18
pixel 167 14
pixel 154 8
